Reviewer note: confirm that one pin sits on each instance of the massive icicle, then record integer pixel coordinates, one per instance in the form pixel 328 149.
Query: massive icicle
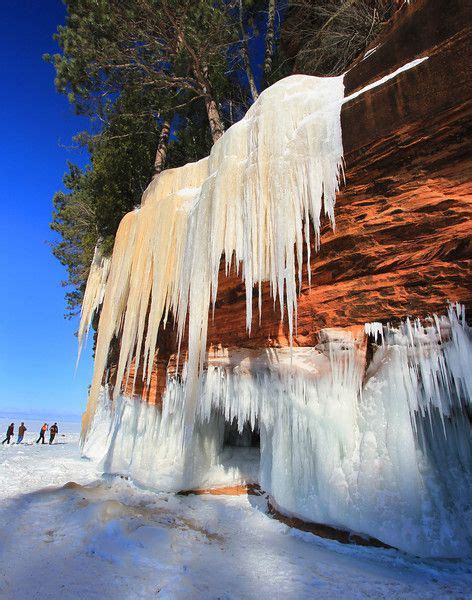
pixel 252 201
pixel 384 451
pixel 94 293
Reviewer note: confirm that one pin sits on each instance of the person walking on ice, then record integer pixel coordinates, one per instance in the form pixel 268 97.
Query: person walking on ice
pixel 10 432
pixel 53 432
pixel 42 433
pixel 21 433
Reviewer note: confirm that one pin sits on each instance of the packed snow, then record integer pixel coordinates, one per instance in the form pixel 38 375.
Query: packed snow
pixel 68 532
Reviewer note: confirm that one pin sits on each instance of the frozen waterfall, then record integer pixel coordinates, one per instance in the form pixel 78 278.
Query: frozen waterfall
pixel 251 203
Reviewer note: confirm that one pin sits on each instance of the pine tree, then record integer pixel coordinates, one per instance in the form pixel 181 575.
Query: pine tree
pixel 159 80
pixel 177 47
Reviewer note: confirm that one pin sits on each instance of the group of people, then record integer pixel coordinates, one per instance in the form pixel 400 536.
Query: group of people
pixel 53 431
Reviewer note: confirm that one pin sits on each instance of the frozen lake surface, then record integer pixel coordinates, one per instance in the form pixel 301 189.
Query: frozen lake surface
pixel 67 532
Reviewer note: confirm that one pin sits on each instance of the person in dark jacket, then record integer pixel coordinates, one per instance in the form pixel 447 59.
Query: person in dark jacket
pixel 10 431
pixel 42 433
pixel 53 432
pixel 21 433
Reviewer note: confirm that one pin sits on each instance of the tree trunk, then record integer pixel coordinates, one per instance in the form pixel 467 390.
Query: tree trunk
pixel 245 55
pixel 161 152
pixel 269 41
pixel 214 118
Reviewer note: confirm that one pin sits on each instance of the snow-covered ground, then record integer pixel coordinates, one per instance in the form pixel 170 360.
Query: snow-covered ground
pixel 66 532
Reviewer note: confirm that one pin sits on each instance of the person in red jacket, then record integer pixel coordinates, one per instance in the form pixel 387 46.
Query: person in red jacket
pixel 10 431
pixel 42 433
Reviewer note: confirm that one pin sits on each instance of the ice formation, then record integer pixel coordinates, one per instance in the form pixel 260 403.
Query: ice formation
pixel 251 201
pixel 382 449
pixel 94 293
pixel 406 67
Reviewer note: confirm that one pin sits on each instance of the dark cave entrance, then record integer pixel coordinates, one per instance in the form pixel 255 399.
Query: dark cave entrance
pixel 247 438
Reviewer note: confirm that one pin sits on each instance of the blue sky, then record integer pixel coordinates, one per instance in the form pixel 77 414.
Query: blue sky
pixel 37 345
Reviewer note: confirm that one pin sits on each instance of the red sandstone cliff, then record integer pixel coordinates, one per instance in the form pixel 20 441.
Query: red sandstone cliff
pixel 402 240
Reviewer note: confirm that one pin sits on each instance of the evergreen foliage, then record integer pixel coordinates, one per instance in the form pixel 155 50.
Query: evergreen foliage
pixel 120 169
pixel 136 68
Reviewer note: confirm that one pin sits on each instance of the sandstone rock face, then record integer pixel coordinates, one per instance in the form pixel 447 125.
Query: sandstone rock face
pixel 402 240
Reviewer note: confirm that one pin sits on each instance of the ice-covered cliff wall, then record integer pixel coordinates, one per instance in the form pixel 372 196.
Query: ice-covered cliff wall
pixel 402 240
pixel 384 451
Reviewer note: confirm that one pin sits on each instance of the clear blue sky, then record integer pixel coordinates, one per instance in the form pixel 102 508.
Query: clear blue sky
pixel 37 345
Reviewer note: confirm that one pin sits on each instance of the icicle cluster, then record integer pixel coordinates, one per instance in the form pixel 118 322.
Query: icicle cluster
pixel 94 293
pixel 384 451
pixel 251 201
pixel 438 374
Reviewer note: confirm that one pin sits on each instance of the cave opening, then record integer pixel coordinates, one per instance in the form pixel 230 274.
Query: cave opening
pixel 247 438
pixel 241 450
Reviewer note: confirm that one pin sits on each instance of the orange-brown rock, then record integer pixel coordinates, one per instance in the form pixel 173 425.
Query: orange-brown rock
pixel 324 531
pixel 402 244
pixel 153 392
pixel 133 383
pixel 251 489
